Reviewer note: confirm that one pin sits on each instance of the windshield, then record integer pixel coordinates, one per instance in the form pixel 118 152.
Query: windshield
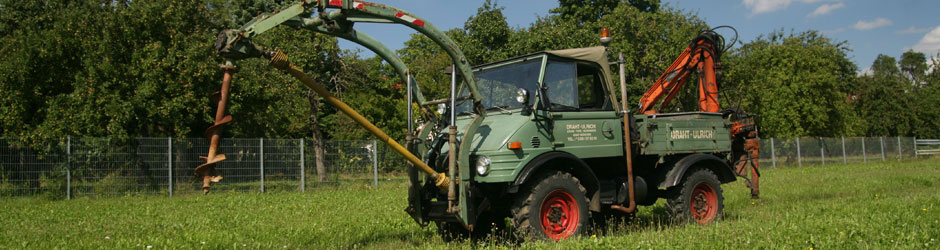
pixel 498 86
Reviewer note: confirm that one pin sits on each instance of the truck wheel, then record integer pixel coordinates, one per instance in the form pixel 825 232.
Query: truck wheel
pixel 698 198
pixel 452 231
pixel 555 208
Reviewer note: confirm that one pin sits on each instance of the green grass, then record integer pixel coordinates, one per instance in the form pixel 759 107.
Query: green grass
pixel 877 205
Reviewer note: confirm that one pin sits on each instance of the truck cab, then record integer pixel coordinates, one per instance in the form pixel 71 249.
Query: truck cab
pixel 537 104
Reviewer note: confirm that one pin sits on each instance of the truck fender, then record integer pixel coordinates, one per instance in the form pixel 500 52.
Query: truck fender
pixel 564 161
pixel 719 166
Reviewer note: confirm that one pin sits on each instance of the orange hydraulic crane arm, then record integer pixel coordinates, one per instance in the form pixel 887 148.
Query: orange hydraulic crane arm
pixel 703 56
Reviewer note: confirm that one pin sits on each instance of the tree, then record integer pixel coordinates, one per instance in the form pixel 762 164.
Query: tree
pixel 926 98
pixel 649 36
pixel 584 11
pixel 914 67
pixel 885 101
pixel 795 84
pixel 487 33
pixel 120 70
pixel 651 41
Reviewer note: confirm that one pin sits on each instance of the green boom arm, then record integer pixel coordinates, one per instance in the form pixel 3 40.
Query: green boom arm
pixel 236 44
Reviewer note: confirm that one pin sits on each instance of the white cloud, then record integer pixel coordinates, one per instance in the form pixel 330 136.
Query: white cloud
pixel 825 9
pixel 877 23
pixel 911 30
pixel 766 6
pixel 865 72
pixel 930 43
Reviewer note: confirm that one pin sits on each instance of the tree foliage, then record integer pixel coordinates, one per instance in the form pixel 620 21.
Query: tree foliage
pixel 795 84
pixel 105 69
pixel 649 36
pixel 127 69
pixel 142 69
pixel 899 98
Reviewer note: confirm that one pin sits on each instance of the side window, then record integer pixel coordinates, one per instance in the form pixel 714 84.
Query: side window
pixel 561 79
pixel 591 88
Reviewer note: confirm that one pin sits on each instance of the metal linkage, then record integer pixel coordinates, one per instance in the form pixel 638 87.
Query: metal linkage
pixel 748 156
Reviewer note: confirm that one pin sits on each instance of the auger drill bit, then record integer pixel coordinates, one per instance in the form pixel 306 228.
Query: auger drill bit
pixel 207 171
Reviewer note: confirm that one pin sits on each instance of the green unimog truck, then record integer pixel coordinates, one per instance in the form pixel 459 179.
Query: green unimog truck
pixel 550 154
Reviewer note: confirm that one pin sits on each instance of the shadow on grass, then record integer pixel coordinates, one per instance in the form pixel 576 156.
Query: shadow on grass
pixel 383 240
pixel 657 218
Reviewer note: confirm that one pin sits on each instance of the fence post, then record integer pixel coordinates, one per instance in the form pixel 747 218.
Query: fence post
pixel 799 157
pixel 303 184
pixel 773 155
pixel 915 147
pixel 864 156
pixel 68 168
pixel 261 161
pixel 375 164
pixel 882 148
pixel 900 152
pixel 822 151
pixel 845 160
pixel 169 164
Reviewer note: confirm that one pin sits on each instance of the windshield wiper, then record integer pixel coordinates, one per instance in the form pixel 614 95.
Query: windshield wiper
pixel 502 109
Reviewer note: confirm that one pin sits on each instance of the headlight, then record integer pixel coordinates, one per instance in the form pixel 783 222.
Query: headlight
pixel 441 108
pixel 522 95
pixel 483 165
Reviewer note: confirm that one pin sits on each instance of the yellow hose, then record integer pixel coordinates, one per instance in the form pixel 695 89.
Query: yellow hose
pixel 280 61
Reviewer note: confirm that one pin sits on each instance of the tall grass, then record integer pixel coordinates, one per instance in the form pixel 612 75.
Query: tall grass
pixel 877 205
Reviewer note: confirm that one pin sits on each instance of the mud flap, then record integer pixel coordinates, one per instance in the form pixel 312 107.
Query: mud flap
pixel 415 205
pixel 465 212
pixel 415 195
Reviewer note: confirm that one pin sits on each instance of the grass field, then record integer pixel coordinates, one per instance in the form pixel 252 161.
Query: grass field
pixel 877 205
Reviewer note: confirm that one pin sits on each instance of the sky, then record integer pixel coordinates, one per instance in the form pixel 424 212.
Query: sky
pixel 870 27
pixel 446 14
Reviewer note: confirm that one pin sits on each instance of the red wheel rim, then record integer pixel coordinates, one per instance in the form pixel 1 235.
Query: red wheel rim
pixel 704 203
pixel 560 215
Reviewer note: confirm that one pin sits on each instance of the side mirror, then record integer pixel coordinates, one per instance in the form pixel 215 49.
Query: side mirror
pixel 522 96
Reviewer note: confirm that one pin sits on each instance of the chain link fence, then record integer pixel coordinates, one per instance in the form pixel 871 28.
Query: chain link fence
pixel 798 152
pixel 81 167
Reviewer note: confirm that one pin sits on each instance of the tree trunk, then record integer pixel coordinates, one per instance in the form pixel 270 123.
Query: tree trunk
pixel 317 136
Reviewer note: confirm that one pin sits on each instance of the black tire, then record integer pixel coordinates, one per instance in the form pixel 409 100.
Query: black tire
pixel 697 199
pixel 452 231
pixel 555 207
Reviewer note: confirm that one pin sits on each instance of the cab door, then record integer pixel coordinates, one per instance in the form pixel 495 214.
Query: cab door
pixel 583 118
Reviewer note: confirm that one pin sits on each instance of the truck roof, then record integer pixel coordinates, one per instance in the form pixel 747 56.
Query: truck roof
pixel 596 54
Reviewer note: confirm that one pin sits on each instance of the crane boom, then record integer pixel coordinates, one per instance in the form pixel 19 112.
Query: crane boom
pixel 702 56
